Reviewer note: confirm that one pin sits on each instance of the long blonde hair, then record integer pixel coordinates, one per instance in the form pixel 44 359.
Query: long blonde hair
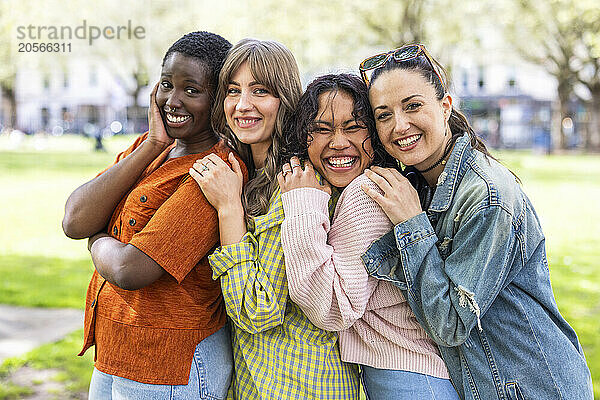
pixel 274 66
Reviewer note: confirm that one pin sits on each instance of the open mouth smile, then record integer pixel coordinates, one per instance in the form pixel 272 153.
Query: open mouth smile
pixel 407 143
pixel 341 162
pixel 177 120
pixel 247 122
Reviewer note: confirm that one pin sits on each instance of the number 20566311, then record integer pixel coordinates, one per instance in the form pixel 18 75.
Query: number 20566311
pixel 44 47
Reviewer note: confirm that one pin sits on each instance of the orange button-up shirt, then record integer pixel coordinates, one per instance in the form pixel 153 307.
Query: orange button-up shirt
pixel 149 335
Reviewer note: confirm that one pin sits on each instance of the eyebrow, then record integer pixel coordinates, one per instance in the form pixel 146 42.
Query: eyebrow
pixel 404 100
pixel 253 83
pixel 193 81
pixel 318 121
pixel 185 80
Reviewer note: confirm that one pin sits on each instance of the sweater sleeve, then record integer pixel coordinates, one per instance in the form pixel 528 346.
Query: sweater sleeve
pixel 325 273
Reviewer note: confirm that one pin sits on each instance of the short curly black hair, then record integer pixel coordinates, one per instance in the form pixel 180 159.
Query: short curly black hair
pixel 206 47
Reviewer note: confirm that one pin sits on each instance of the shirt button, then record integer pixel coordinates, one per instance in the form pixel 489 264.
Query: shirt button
pixel 143 198
pixel 132 222
pixel 115 231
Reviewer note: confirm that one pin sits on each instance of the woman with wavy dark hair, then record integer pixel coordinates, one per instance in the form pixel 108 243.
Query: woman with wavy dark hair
pixel 335 130
pixel 468 251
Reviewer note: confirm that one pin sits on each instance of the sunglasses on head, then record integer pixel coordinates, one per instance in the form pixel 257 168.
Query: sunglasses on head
pixel 404 53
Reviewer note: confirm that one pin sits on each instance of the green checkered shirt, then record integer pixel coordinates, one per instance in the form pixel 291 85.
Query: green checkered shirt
pixel 278 352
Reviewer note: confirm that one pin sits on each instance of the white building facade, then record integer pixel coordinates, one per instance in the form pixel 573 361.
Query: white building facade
pixel 81 96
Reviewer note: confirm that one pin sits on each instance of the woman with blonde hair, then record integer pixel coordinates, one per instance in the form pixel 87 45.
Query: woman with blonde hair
pixel 278 352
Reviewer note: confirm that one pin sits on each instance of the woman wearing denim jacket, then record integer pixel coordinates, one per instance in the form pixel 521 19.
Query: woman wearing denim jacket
pixel 473 265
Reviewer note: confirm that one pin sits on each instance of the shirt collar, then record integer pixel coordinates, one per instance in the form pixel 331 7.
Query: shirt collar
pixel 452 174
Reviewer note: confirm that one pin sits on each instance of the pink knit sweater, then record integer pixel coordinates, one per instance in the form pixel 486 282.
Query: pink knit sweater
pixel 327 279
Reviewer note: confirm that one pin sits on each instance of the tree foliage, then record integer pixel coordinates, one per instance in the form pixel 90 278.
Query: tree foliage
pixel 563 36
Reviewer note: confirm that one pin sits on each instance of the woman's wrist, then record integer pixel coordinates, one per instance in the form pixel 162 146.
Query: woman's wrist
pixel 232 225
pixel 231 211
pixel 155 145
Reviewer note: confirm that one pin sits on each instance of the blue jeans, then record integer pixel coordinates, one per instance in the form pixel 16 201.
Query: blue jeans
pixel 210 376
pixel 388 384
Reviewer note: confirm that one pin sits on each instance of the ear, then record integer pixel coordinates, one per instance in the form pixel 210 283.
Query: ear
pixel 446 104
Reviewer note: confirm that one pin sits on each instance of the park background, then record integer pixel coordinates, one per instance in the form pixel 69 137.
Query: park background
pixel 526 73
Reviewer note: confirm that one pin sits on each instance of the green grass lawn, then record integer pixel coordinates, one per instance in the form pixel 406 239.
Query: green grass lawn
pixel 39 266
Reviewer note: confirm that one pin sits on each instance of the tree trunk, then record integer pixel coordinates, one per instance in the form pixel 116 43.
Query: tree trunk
pixel 564 92
pixel 12 106
pixel 411 23
pixel 592 138
pixel 139 113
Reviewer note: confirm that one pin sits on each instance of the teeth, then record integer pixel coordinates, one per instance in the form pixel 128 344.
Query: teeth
pixel 408 141
pixel 176 119
pixel 246 121
pixel 341 162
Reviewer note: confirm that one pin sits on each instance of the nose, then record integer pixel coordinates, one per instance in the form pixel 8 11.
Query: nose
pixel 339 140
pixel 401 123
pixel 244 103
pixel 174 100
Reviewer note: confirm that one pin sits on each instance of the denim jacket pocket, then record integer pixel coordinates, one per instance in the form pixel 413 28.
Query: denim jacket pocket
pixel 214 360
pixel 513 392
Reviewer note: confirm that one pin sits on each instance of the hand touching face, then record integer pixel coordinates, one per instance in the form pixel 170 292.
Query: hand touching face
pixel 184 97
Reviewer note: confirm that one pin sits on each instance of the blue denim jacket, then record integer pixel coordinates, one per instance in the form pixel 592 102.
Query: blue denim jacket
pixel 474 272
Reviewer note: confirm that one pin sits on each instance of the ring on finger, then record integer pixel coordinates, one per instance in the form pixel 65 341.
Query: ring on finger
pixel 204 167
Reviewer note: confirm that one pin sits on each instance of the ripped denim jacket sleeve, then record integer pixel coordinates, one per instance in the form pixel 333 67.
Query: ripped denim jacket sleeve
pixel 449 283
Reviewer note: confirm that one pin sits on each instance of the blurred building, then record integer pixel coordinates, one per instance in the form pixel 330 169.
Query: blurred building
pixel 509 106
pixel 80 97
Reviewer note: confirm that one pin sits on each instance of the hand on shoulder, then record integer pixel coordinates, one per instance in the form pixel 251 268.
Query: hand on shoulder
pixel 220 183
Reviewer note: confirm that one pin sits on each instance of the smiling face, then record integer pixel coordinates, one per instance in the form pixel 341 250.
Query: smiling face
pixel 410 120
pixel 184 97
pixel 251 111
pixel 339 148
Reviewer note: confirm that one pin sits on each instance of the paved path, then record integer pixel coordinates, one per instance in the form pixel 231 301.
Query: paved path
pixel 23 329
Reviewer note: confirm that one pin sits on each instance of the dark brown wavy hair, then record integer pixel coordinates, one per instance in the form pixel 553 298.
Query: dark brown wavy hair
pixel 299 137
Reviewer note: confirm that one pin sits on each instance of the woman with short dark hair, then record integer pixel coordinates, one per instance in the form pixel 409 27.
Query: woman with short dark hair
pixel 153 312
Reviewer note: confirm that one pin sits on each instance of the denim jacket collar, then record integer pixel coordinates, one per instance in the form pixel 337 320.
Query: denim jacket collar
pixel 450 177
